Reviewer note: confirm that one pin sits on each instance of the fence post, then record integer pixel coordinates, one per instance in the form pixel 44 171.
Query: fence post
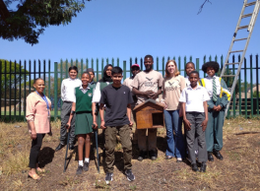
pixel 124 69
pixel 257 88
pixel 55 90
pixel 251 85
pixel 245 75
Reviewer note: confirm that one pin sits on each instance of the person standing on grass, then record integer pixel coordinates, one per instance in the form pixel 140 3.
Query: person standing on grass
pixel 67 95
pixel 83 109
pixel 173 85
pixel 147 85
pixel 195 115
pixel 135 69
pixel 91 72
pixel 105 81
pixel 38 113
pixel 219 98
pixel 118 100
pixel 189 67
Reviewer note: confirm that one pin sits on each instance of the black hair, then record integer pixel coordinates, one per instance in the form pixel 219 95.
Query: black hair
pixel 86 73
pixel 148 56
pixel 73 68
pixel 189 63
pixel 212 64
pixel 195 72
pixel 105 77
pixel 35 80
pixel 117 70
pixel 90 70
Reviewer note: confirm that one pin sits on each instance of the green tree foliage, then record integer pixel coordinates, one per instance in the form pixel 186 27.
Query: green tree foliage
pixel 10 79
pixel 33 16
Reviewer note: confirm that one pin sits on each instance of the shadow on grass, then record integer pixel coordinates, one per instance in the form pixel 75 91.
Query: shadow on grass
pixel 46 156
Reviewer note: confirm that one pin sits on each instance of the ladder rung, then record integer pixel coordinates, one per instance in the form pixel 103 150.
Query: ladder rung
pixel 250 4
pixel 247 15
pixel 239 39
pixel 242 27
pixel 232 63
pixel 228 76
pixel 236 51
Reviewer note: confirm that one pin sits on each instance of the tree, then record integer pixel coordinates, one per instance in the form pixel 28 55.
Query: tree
pixel 32 16
pixel 11 77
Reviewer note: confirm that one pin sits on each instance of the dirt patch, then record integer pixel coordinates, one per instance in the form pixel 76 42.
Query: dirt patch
pixel 240 169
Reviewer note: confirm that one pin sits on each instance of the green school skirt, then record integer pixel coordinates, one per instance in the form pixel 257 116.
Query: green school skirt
pixel 83 123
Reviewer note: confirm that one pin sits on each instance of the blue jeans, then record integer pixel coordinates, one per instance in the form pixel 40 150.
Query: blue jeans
pixel 175 143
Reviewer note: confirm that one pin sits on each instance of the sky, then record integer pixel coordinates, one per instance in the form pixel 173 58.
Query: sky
pixel 133 28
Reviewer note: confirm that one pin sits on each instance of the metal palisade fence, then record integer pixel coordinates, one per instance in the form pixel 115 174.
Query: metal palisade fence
pixel 17 81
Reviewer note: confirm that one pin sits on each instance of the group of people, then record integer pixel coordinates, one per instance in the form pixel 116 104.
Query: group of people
pixel 108 104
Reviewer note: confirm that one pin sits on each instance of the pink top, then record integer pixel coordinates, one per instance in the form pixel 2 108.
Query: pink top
pixel 36 110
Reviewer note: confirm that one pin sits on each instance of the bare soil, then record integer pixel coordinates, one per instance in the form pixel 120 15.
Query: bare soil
pixel 240 169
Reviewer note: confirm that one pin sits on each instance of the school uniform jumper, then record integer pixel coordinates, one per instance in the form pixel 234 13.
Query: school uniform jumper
pixel 83 111
pixel 214 131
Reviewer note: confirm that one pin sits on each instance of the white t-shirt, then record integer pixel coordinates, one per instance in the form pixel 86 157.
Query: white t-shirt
pixel 194 98
pixel 67 89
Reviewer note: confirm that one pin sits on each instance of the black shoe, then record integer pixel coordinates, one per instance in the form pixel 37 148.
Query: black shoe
pixel 109 177
pixel 59 147
pixel 210 157
pixel 203 167
pixel 141 155
pixel 85 167
pixel 194 167
pixel 129 175
pixel 79 170
pixel 218 155
pixel 71 147
pixel 152 155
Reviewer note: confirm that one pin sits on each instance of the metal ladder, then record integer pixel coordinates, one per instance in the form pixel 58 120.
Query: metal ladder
pixel 249 28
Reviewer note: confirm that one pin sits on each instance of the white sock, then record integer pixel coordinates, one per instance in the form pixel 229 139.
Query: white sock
pixel 87 160
pixel 80 162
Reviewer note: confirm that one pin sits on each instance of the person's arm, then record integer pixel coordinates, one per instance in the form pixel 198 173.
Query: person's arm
pixel 93 106
pixel 143 94
pixel 62 90
pixel 30 115
pixel 101 111
pixel 185 120
pixel 224 100
pixel 128 111
pixel 182 86
pixel 205 122
pixel 72 112
pixel 154 95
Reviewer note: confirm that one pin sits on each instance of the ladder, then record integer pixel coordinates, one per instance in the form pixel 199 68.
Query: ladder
pixel 249 28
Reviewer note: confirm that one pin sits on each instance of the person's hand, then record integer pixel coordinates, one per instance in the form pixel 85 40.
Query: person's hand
pixel 165 105
pixel 94 125
pixel 204 124
pixel 218 108
pixel 102 125
pixel 33 134
pixel 187 124
pixel 214 108
pixel 50 133
pixel 154 96
pixel 67 125
pixel 149 93
pixel 131 123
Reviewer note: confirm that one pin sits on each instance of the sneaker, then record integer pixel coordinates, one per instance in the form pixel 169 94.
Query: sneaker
pixel 152 155
pixel 85 167
pixel 129 175
pixel 79 170
pixel 109 177
pixel 141 155
pixel 179 160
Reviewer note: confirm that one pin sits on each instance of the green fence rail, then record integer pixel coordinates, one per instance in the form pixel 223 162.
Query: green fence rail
pixel 17 81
